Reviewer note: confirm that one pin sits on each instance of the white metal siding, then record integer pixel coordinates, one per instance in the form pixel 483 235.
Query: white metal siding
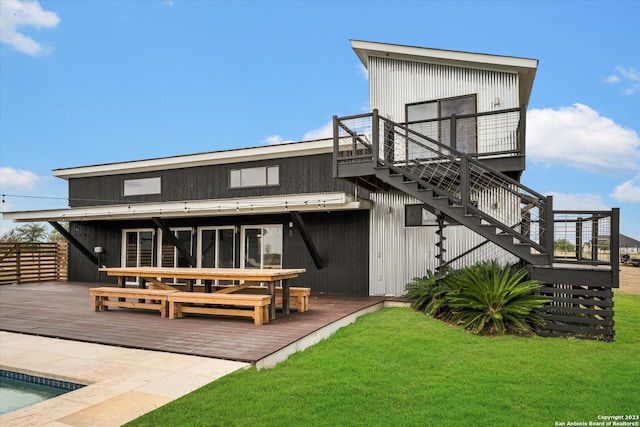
pixel 394 83
pixel 399 253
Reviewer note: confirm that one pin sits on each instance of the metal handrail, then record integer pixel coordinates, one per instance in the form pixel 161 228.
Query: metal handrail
pixel 458 175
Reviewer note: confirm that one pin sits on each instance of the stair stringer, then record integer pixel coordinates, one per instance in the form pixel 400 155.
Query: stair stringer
pixel 446 206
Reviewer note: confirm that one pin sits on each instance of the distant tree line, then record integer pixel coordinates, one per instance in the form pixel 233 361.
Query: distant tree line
pixel 33 233
pixel 563 245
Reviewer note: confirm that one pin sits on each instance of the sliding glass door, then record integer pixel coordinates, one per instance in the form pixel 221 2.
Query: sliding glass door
pixel 137 250
pixel 216 247
pixel 262 246
pixel 420 118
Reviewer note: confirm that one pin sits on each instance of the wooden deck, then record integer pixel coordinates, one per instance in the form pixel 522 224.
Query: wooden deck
pixel 63 310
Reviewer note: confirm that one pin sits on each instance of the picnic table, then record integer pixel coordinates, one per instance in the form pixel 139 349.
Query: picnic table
pixel 241 277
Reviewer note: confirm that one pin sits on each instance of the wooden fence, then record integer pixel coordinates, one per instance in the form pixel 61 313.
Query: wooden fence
pixel 581 303
pixel 33 262
pixel 579 311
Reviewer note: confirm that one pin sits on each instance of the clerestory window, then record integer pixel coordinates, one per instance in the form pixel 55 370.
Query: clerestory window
pixel 138 187
pixel 254 177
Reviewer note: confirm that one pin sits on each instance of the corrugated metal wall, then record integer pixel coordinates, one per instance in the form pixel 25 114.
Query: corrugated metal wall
pixel 399 253
pixel 394 83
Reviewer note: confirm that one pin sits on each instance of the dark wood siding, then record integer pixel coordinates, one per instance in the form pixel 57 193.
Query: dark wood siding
pixel 307 174
pixel 341 238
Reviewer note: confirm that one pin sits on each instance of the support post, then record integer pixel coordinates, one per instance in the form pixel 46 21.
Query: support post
pixel 549 224
pixel 375 136
pixel 522 147
pixel 304 233
pixel 579 239
pixel 336 146
pixel 453 138
pixel 174 241
pixel 614 247
pixel 595 238
pixel 464 183
pixel 79 246
pixel 18 261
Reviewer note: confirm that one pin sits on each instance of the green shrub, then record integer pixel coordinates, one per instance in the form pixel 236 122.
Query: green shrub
pixel 485 298
pixel 420 291
pixel 493 300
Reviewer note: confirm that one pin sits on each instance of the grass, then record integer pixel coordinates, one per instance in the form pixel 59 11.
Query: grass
pixel 399 367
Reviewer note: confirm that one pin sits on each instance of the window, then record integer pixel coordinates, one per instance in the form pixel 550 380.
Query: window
pixel 137 187
pixel 440 130
pixel 216 247
pixel 254 177
pixel 417 216
pixel 170 255
pixel 262 246
pixel 137 249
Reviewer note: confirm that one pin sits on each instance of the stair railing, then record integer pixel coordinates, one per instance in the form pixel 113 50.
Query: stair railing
pixel 466 181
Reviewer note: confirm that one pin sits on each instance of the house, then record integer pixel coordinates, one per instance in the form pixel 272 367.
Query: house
pixel 629 245
pixel 429 179
pixel 269 207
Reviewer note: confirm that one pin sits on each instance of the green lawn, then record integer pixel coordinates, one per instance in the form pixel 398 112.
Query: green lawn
pixel 398 367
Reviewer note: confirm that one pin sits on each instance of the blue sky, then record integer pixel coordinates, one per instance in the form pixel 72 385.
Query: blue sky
pixel 86 82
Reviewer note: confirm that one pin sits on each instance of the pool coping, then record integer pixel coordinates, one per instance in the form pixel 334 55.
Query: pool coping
pixel 121 383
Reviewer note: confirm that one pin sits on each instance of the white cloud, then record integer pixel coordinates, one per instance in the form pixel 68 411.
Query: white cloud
pixel 584 201
pixel 17 179
pixel 323 132
pixel 15 14
pixel 274 140
pixel 630 77
pixel 613 79
pixel 578 136
pixel 326 131
pixel 628 191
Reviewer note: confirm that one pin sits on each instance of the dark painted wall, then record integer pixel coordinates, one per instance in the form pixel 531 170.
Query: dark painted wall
pixel 340 237
pixel 307 174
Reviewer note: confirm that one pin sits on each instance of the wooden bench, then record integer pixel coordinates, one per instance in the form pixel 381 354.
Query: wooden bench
pixel 298 297
pixel 147 299
pixel 226 305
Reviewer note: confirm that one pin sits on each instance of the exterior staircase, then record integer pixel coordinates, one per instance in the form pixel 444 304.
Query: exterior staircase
pixel 460 188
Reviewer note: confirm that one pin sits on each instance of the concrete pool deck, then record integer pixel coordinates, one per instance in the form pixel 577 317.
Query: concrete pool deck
pixel 123 383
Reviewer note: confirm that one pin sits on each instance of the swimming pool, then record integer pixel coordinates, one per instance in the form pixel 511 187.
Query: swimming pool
pixel 18 390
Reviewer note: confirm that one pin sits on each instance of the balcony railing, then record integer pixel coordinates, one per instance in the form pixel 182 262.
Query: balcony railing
pixel 587 237
pixel 465 180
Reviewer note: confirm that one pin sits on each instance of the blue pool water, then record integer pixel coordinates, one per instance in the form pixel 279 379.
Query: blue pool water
pixel 19 390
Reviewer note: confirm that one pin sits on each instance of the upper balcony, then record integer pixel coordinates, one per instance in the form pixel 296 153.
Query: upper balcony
pixel 495 138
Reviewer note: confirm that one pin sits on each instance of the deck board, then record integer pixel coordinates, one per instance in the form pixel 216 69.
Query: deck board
pixel 63 310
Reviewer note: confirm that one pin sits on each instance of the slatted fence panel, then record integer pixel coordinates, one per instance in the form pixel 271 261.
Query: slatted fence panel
pixel 33 262
pixel 579 311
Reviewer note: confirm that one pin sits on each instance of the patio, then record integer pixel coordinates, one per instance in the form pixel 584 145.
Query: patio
pixel 62 310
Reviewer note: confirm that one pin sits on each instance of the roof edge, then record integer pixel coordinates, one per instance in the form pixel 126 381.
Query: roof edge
pixel 292 149
pixel 525 67
pixel 364 49
pixel 308 202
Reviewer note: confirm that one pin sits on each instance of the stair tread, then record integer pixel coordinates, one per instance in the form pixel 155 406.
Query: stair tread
pixel 426 191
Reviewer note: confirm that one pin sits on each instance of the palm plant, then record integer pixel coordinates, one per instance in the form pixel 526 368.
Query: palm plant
pixel 420 291
pixel 492 299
